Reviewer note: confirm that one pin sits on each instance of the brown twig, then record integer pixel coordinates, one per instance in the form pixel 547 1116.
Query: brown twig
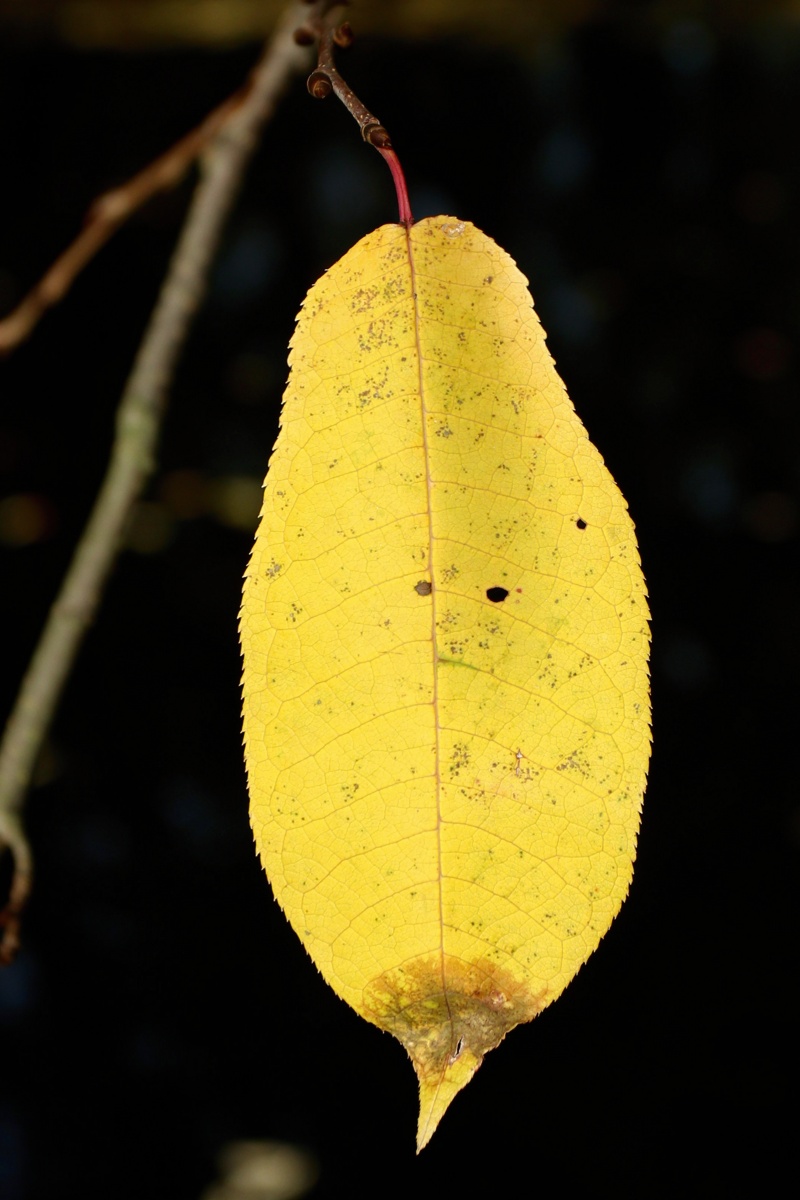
pixel 132 455
pixel 329 31
pixel 107 214
pixel 12 837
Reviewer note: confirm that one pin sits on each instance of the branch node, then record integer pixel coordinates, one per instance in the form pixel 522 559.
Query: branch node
pixel 319 85
pixel 326 78
pixel 377 136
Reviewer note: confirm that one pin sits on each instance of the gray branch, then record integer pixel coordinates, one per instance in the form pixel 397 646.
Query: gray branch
pixel 133 453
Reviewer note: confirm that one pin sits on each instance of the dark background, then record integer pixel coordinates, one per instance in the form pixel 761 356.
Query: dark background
pixel 644 176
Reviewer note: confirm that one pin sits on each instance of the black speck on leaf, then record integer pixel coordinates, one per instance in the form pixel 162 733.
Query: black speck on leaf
pixel 580 523
pixel 496 594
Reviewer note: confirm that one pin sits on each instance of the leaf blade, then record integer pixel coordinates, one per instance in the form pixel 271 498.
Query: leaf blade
pixel 445 637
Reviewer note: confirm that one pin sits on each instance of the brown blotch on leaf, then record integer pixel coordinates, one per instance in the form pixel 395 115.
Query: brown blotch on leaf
pixel 443 1009
pixel 423 588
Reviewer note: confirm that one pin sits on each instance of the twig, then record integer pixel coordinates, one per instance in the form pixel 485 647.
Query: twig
pixel 104 218
pixel 112 210
pixel 326 29
pixel 132 454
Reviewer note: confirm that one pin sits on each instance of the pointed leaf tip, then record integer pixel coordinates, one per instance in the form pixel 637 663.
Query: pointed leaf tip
pixel 448 1014
pixel 438 1089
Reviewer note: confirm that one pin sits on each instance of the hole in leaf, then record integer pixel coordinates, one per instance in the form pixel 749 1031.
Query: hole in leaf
pixel 580 523
pixel 423 588
pixel 457 1052
pixel 496 594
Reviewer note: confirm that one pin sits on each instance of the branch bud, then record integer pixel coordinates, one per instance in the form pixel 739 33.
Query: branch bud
pixel 377 136
pixel 319 85
pixel 344 36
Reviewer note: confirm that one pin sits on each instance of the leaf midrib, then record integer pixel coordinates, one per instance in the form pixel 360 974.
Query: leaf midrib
pixel 434 645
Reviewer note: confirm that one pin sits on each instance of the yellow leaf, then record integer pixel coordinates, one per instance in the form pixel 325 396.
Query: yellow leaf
pixel 445 638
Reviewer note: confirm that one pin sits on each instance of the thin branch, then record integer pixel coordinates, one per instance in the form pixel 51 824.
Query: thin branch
pixel 104 218
pixel 111 210
pixel 326 29
pixel 132 455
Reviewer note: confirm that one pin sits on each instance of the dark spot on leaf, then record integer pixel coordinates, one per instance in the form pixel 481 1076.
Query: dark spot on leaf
pixel 496 594
pixel 423 588
pixel 580 523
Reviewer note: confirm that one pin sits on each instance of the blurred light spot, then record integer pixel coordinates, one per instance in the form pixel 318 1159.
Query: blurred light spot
pixel 708 486
pixel 774 49
pixel 572 313
pixel 236 501
pixel 18 989
pixel 763 354
pixel 687 170
pixel 686 662
pixel 429 201
pixel 99 842
pixel 247 266
pixel 263 1171
pixel 760 198
pixel 10 450
pixel 695 250
pixel 195 815
pixel 12 1155
pixel 563 160
pixel 688 47
pixel 553 68
pixel 167 23
pixel 8 292
pixel 26 519
pixel 185 493
pixel 794 828
pixel 251 377
pixel 151 1051
pixel 106 929
pixel 151 528
pixel 657 391
pixel 344 188
pixel 772 516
